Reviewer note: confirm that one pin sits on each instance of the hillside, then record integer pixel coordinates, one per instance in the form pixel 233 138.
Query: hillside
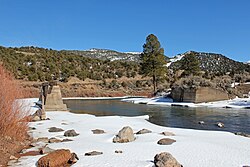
pixel 39 64
pixel 104 54
pixel 33 63
pixel 213 63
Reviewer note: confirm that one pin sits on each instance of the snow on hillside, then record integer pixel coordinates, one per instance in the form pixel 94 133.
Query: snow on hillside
pixel 174 59
pixel 134 53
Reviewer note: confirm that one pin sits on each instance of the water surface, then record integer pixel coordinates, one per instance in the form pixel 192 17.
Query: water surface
pixel 235 120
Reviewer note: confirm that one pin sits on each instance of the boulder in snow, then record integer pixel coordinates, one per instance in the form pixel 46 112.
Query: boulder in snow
pixel 165 159
pixel 125 135
pixel 166 141
pixel 143 131
pixel 70 133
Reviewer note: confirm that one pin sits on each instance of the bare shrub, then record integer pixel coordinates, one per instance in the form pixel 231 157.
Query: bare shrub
pixel 12 122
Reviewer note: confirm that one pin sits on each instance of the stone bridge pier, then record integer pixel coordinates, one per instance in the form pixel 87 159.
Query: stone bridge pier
pixel 51 97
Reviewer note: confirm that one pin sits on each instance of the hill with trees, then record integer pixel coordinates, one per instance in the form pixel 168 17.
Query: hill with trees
pixel 39 64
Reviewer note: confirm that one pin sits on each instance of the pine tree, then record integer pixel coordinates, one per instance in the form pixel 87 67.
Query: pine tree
pixel 153 60
pixel 190 64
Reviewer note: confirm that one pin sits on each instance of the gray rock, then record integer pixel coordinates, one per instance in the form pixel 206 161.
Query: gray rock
pixel 125 135
pixel 70 133
pixel 98 131
pixel 43 139
pixel 118 151
pixel 166 141
pixel 242 134
pixel 54 140
pixel 93 153
pixel 201 122
pixel 165 159
pixel 66 140
pixel 143 131
pixel 55 129
pixel 168 133
pixel 220 125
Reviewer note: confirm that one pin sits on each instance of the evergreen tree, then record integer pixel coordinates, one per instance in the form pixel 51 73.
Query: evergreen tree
pixel 153 60
pixel 190 64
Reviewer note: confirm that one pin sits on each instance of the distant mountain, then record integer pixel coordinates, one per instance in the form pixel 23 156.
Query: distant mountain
pixel 105 54
pixel 212 62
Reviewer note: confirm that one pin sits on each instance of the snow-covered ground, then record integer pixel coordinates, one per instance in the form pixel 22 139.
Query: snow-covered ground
pixel 193 148
pixel 234 103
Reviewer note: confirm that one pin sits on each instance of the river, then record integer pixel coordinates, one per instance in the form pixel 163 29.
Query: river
pixel 235 120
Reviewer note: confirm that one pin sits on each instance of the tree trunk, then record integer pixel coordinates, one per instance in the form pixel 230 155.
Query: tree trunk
pixel 154 83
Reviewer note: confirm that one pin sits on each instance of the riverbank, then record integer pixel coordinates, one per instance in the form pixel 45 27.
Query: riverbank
pixel 236 103
pixel 192 147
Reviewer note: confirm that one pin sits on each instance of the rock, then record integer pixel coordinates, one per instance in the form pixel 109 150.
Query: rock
pixel 36 118
pixel 93 153
pixel 168 133
pixel 46 150
pixel 66 140
pixel 55 129
pixel 220 125
pixel 201 122
pixel 73 158
pixel 125 135
pixel 118 151
pixel 165 159
pixel 57 158
pixel 43 139
pixel 32 128
pixel 242 134
pixel 33 145
pixel 39 115
pixel 226 107
pixel 98 131
pixel 70 133
pixel 64 123
pixel 12 157
pixel 166 141
pixel 143 131
pixel 54 140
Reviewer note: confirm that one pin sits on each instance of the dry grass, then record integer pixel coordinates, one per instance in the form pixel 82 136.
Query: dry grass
pixel 13 126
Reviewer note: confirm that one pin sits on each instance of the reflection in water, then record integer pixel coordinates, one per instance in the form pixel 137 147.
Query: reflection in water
pixel 182 117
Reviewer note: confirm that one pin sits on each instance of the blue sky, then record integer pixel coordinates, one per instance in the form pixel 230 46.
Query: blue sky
pixel 220 26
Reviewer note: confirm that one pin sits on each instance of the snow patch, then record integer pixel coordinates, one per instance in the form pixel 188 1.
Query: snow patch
pixel 176 58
